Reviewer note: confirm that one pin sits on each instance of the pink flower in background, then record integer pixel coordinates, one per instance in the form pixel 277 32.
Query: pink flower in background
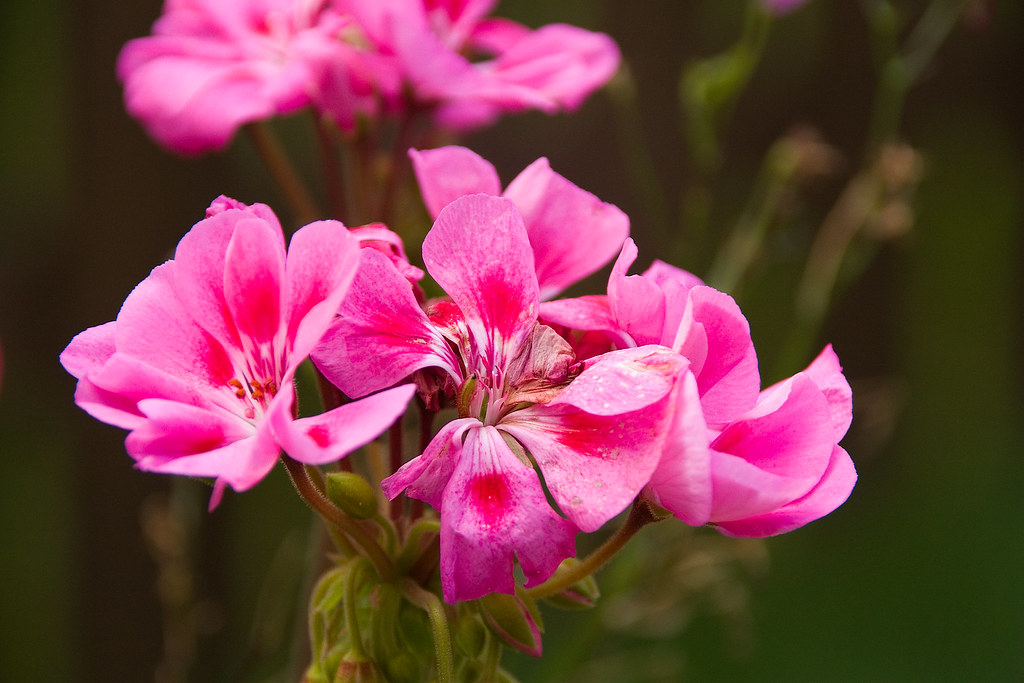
pixel 771 470
pixel 593 430
pixel 199 363
pixel 551 68
pixel 558 214
pixel 212 65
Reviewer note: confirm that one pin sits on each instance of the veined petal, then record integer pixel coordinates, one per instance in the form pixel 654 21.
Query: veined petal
pixel 828 494
pixel 253 279
pixel 330 436
pixel 479 253
pixel 494 510
pixel 381 334
pixel 425 476
pixel 321 264
pixel 559 218
pixel 447 173
pixel 600 440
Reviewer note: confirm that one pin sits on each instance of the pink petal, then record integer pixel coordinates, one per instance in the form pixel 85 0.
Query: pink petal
pixel 155 328
pixel 241 464
pixel 637 303
pixel 330 436
pixel 253 277
pixel 598 443
pixel 715 336
pixel 560 217
pixel 447 173
pixel 478 252
pixel 89 350
pixel 381 335
pixel 682 481
pixel 112 392
pixel 828 494
pixel 426 476
pixel 827 373
pixel 776 454
pixel 321 264
pixel 174 430
pixel 494 511
pixel 565 63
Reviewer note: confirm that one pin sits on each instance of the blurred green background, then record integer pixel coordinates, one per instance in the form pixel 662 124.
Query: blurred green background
pixel 917 577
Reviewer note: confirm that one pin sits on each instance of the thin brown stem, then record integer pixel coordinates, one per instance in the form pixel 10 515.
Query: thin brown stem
pixel 283 172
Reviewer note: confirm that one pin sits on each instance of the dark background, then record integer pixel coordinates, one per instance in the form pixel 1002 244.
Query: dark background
pixel 916 577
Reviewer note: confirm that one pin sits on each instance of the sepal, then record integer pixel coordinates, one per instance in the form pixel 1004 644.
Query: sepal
pixel 515 620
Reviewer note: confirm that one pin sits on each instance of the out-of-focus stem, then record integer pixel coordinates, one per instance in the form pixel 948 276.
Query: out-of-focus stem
pixel 432 605
pixel 283 172
pixel 332 170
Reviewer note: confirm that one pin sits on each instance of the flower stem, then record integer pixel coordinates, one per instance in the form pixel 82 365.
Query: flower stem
pixel 640 515
pixel 431 604
pixel 283 171
pixel 338 519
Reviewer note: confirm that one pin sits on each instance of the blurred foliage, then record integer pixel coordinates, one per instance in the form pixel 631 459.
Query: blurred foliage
pixel 111 574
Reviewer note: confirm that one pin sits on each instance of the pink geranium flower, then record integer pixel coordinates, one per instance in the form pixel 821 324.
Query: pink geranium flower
pixel 558 214
pixel 199 363
pixel 212 65
pixel 754 463
pixel 554 67
pixel 771 470
pixel 526 409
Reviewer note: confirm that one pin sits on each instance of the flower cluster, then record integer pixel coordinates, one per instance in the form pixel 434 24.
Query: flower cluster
pixel 541 418
pixel 211 66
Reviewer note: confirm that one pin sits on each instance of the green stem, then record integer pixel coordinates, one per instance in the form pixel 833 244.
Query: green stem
pixel 356 568
pixel 335 517
pixel 640 515
pixel 434 608
pixel 283 172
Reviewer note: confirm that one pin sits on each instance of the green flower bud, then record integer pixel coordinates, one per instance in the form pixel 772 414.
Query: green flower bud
pixel 514 621
pixel 352 494
pixel 469 636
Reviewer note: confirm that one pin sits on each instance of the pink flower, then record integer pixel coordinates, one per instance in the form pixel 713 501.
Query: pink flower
pixel 212 65
pixel 558 214
pixel 554 67
pixel 754 463
pixel 668 306
pixel 770 470
pixel 592 430
pixel 199 364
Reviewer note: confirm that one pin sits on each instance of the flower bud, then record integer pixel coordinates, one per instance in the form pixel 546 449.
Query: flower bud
pixel 356 668
pixel 513 621
pixel 352 494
